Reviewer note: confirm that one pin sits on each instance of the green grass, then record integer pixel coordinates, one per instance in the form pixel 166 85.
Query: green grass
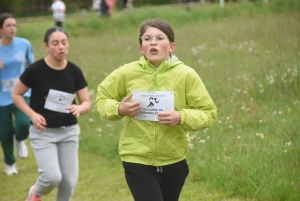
pixel 248 56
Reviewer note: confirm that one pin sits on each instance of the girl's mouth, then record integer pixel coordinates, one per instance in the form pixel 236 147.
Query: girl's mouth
pixel 153 50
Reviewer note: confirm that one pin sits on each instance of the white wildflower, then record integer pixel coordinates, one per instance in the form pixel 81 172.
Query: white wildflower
pixel 202 141
pixel 288 143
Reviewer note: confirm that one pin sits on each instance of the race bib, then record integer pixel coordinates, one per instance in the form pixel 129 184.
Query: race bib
pixel 153 102
pixel 8 85
pixel 58 101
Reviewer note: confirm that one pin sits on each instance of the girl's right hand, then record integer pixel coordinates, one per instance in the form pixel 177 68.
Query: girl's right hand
pixel 1 64
pixel 38 121
pixel 127 108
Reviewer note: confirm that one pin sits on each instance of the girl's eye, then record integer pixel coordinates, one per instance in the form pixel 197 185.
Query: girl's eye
pixel 147 38
pixel 160 37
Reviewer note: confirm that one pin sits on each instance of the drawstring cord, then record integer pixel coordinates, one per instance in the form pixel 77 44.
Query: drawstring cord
pixel 159 169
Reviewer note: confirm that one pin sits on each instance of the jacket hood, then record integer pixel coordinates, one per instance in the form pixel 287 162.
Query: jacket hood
pixel 164 66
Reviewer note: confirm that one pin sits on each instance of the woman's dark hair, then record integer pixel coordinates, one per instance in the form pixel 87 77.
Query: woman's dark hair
pixel 159 24
pixel 50 31
pixel 3 17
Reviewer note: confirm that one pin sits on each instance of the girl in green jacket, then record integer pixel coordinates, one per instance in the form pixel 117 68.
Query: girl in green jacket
pixel 159 99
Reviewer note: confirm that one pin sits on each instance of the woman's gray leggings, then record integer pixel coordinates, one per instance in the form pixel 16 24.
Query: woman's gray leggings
pixel 56 154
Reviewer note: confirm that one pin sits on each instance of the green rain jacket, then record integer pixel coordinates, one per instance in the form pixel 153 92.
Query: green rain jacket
pixel 149 142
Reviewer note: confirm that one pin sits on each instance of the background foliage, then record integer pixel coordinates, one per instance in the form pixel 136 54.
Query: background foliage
pixel 27 8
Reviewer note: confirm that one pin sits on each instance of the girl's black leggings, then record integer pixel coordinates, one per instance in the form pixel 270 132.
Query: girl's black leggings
pixel 151 183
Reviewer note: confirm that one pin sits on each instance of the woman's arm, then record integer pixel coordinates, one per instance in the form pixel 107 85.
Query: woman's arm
pixel 17 96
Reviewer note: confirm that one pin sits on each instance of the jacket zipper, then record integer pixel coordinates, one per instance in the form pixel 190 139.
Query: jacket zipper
pixel 154 134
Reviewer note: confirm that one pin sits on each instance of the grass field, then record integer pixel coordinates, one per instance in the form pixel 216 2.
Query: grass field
pixel 248 56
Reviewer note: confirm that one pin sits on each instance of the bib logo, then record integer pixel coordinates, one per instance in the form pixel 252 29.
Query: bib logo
pixel 60 100
pixel 151 104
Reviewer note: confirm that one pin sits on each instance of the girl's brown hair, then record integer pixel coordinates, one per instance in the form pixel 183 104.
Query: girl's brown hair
pixel 50 31
pixel 159 24
pixel 3 17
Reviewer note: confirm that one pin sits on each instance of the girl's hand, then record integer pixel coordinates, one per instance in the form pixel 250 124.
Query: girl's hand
pixel 169 118
pixel 127 108
pixel 1 64
pixel 75 110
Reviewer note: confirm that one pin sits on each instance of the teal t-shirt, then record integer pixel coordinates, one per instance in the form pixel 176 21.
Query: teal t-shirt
pixel 15 57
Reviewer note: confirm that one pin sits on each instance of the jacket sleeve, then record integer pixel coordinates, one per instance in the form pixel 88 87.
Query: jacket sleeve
pixel 110 94
pixel 201 110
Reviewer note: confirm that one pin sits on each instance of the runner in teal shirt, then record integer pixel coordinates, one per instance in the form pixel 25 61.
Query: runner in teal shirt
pixel 15 57
pixel 15 54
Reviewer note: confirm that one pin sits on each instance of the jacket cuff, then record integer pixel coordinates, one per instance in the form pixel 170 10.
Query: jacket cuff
pixel 182 118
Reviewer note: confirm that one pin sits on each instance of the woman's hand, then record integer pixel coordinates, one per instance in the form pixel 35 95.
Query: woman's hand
pixel 38 121
pixel 75 110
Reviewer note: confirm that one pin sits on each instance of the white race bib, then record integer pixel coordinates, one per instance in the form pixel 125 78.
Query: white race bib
pixel 58 101
pixel 8 85
pixel 153 102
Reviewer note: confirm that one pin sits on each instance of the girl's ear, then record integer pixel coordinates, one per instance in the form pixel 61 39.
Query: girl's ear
pixel 141 49
pixel 46 45
pixel 172 47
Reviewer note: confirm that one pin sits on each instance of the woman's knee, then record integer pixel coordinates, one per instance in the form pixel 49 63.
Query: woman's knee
pixel 70 182
pixel 51 178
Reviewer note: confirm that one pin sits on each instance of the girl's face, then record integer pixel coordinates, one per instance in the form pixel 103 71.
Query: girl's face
pixel 156 46
pixel 58 45
pixel 9 28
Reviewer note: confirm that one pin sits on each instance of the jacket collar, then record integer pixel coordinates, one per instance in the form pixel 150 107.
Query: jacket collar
pixel 164 66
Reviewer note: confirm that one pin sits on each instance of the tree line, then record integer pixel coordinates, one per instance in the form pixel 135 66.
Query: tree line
pixel 40 7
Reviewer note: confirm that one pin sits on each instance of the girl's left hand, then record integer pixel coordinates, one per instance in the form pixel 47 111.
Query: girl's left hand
pixel 75 110
pixel 169 118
